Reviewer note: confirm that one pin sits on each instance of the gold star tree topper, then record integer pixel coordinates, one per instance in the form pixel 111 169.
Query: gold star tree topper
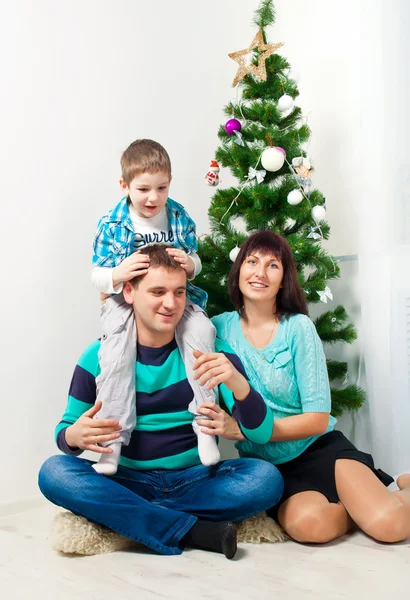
pixel 260 69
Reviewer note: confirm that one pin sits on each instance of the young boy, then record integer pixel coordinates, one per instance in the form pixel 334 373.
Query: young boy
pixel 144 216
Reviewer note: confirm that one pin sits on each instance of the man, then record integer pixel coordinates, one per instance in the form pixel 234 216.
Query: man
pixel 161 495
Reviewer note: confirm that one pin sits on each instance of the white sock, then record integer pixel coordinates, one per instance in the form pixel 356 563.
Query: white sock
pixel 207 447
pixel 108 463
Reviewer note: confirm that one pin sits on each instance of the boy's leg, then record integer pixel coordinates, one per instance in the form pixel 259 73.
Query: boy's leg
pixel 196 332
pixel 116 383
pixel 124 502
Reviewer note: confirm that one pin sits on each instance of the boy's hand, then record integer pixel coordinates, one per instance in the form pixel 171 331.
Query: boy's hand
pixel 182 258
pixel 87 432
pixel 135 265
pixel 217 367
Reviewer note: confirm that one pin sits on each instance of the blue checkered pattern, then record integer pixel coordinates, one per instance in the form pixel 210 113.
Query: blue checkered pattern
pixel 114 239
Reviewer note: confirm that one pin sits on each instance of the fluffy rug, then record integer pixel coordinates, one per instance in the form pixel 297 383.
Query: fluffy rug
pixel 75 535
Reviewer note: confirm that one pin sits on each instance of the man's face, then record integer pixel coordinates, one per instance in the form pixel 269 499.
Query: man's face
pixel 159 303
pixel 148 193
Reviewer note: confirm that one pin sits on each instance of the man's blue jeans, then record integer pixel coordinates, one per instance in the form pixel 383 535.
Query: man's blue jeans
pixel 157 508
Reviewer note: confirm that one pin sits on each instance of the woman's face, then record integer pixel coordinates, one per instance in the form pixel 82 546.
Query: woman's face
pixel 260 277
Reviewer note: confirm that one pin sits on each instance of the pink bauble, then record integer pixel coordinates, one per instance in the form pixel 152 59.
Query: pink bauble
pixel 232 125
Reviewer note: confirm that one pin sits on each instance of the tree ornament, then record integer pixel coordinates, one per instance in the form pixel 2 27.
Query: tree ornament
pixel 232 126
pixel 294 76
pixel 318 214
pixel 285 102
pixel 258 70
pixel 273 158
pixel 303 170
pixel 325 294
pixel 314 235
pixel 234 253
pixel 238 138
pixel 295 197
pixel 289 223
pixel 212 177
pixel 259 175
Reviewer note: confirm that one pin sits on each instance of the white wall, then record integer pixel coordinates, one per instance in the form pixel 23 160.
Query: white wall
pixel 80 81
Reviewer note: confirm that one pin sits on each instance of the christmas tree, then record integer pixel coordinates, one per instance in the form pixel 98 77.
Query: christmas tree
pixel 262 144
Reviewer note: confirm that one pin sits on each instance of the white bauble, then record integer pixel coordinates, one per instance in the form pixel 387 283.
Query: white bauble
pixel 285 102
pixel 294 75
pixel 318 214
pixel 272 158
pixel 295 197
pixel 234 253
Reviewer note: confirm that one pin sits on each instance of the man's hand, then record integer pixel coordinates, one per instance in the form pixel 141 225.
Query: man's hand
pixel 134 266
pixel 87 432
pixel 216 366
pixel 218 422
pixel 182 258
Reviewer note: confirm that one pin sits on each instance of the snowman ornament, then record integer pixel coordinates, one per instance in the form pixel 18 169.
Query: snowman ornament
pixel 212 177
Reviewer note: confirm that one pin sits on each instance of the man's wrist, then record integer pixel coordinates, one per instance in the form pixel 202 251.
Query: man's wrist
pixel 68 438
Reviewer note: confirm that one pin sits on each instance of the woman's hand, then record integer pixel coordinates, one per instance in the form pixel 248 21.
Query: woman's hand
pixel 218 422
pixel 217 367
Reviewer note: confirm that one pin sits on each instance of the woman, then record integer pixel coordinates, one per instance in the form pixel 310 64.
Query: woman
pixel 329 484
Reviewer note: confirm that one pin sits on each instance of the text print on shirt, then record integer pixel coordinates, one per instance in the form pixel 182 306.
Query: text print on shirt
pixel 143 239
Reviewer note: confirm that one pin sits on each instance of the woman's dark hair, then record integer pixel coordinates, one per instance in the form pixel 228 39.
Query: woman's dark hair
pixel 290 299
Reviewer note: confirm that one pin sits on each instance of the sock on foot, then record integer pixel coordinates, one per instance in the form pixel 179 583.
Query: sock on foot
pixel 207 447
pixel 215 537
pixel 108 463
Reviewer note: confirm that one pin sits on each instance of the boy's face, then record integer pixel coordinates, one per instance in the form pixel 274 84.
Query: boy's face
pixel 148 193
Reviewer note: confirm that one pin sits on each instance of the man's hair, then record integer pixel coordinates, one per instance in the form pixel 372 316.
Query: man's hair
pixel 158 257
pixel 144 156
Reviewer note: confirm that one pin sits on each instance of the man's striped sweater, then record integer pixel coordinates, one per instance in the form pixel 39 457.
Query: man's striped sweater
pixel 163 437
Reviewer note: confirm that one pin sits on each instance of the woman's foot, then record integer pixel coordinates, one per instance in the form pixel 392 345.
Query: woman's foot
pixel 403 481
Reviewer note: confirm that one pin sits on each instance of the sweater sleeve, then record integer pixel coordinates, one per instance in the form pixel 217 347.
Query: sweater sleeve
pixel 101 278
pixel 255 418
pixel 310 366
pixel 81 395
pixel 197 262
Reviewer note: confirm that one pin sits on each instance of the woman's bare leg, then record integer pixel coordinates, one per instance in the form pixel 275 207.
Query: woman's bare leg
pixel 382 514
pixel 309 517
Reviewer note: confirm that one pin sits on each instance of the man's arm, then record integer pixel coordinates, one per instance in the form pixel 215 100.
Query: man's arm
pixel 78 430
pixel 225 369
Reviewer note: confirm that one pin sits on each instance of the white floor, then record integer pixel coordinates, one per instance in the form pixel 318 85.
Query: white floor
pixel 354 567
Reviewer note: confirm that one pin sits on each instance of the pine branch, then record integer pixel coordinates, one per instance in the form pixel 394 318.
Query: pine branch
pixel 336 369
pixel 238 211
pixel 265 14
pixel 350 398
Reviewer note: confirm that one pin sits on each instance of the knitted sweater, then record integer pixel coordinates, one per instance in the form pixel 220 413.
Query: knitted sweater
pixel 163 437
pixel 292 378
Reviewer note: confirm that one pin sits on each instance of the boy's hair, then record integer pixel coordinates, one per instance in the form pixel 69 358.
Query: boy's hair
pixel 144 156
pixel 158 257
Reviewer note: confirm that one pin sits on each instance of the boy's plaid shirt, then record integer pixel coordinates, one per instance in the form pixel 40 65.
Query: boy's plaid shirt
pixel 114 239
